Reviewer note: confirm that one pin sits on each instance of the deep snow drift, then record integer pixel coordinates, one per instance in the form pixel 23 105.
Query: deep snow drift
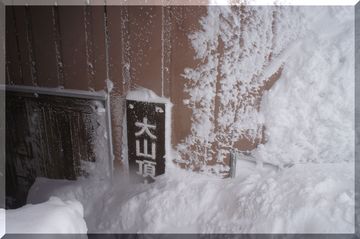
pixel 309 112
pixel 303 199
pixel 2 222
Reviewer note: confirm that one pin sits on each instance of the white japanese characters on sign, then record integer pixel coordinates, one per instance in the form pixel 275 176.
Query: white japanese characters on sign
pixel 146 168
pixel 145 125
pixel 145 128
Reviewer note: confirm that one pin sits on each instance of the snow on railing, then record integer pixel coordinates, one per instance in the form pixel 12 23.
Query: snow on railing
pixel 246 155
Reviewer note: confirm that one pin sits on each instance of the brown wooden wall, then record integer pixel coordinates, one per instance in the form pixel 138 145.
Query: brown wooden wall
pixel 79 47
pixel 56 46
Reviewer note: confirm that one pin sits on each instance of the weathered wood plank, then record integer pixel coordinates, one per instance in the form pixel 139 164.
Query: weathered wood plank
pixel 184 20
pixel 13 57
pixel 72 29
pixel 145 47
pixel 99 46
pixel 44 45
pixel 27 57
pixel 58 46
pixel 119 71
pixel 117 29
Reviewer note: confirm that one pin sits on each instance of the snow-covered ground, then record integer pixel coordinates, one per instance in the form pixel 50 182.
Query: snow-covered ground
pixel 51 216
pixel 305 198
pixel 309 119
pixel 2 222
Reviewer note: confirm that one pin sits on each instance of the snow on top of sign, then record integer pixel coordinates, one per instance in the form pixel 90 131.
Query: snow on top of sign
pixel 109 85
pixel 143 94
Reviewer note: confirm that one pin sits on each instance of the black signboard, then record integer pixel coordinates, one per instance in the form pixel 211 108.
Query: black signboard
pixel 146 139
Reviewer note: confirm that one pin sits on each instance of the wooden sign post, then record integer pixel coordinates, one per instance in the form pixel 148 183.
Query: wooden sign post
pixel 146 139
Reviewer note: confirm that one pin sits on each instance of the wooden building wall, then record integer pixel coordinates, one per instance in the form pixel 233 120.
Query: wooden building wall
pixel 80 47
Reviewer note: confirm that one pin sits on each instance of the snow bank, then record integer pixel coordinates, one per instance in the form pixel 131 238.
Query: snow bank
pixel 303 199
pixel 2 222
pixel 53 216
pixel 309 113
pixel 307 198
pixel 88 191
